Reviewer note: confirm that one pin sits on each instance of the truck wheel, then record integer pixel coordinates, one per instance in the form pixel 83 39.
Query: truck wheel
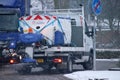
pixel 47 67
pixel 69 65
pixel 89 64
pixel 25 70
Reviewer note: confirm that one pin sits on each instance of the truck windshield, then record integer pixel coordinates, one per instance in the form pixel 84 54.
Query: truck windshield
pixel 8 22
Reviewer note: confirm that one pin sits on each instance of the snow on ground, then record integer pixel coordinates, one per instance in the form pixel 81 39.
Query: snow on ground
pixel 94 75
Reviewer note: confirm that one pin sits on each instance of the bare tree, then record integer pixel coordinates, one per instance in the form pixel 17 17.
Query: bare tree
pixel 111 12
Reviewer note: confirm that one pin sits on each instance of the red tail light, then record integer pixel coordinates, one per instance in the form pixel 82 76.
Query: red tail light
pixel 57 60
pixel 37 44
pixel 12 61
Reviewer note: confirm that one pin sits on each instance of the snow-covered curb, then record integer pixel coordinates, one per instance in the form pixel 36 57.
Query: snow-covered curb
pixel 94 75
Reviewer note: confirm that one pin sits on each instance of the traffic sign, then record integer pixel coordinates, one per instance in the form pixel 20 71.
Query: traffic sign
pixel 96 7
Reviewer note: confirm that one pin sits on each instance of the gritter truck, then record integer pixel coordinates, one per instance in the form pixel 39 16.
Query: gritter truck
pixel 56 38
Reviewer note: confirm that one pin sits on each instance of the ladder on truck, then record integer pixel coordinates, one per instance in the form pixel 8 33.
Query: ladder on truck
pixel 79 11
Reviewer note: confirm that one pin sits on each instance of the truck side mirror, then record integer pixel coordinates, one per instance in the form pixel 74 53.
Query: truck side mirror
pixel 91 32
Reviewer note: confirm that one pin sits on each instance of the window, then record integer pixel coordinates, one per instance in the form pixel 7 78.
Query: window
pixel 8 22
pixel 73 22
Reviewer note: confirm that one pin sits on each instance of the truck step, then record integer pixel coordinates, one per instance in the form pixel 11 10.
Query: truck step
pixel 78 61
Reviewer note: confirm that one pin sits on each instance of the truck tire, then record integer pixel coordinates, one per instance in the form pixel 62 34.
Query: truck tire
pixel 69 64
pixel 24 70
pixel 68 67
pixel 89 64
pixel 47 67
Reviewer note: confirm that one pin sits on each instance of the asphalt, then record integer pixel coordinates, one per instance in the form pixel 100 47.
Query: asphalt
pixel 8 72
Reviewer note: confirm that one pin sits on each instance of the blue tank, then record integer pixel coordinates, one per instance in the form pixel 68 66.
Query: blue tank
pixel 59 38
pixel 30 38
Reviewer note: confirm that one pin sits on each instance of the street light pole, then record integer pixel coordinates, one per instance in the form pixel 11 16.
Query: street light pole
pixel 96 7
pixel 94 44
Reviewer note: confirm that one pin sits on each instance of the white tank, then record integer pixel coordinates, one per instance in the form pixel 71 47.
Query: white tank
pixel 47 25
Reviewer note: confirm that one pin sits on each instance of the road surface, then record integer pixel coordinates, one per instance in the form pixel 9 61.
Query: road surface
pixel 8 72
pixel 106 64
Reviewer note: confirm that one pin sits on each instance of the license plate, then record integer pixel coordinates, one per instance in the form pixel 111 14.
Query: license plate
pixel 40 60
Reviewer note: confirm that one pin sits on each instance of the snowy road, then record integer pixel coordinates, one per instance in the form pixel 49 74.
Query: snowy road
pixel 105 64
pixel 8 73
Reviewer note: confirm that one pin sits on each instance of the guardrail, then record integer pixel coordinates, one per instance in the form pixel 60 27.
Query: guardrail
pixel 111 50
